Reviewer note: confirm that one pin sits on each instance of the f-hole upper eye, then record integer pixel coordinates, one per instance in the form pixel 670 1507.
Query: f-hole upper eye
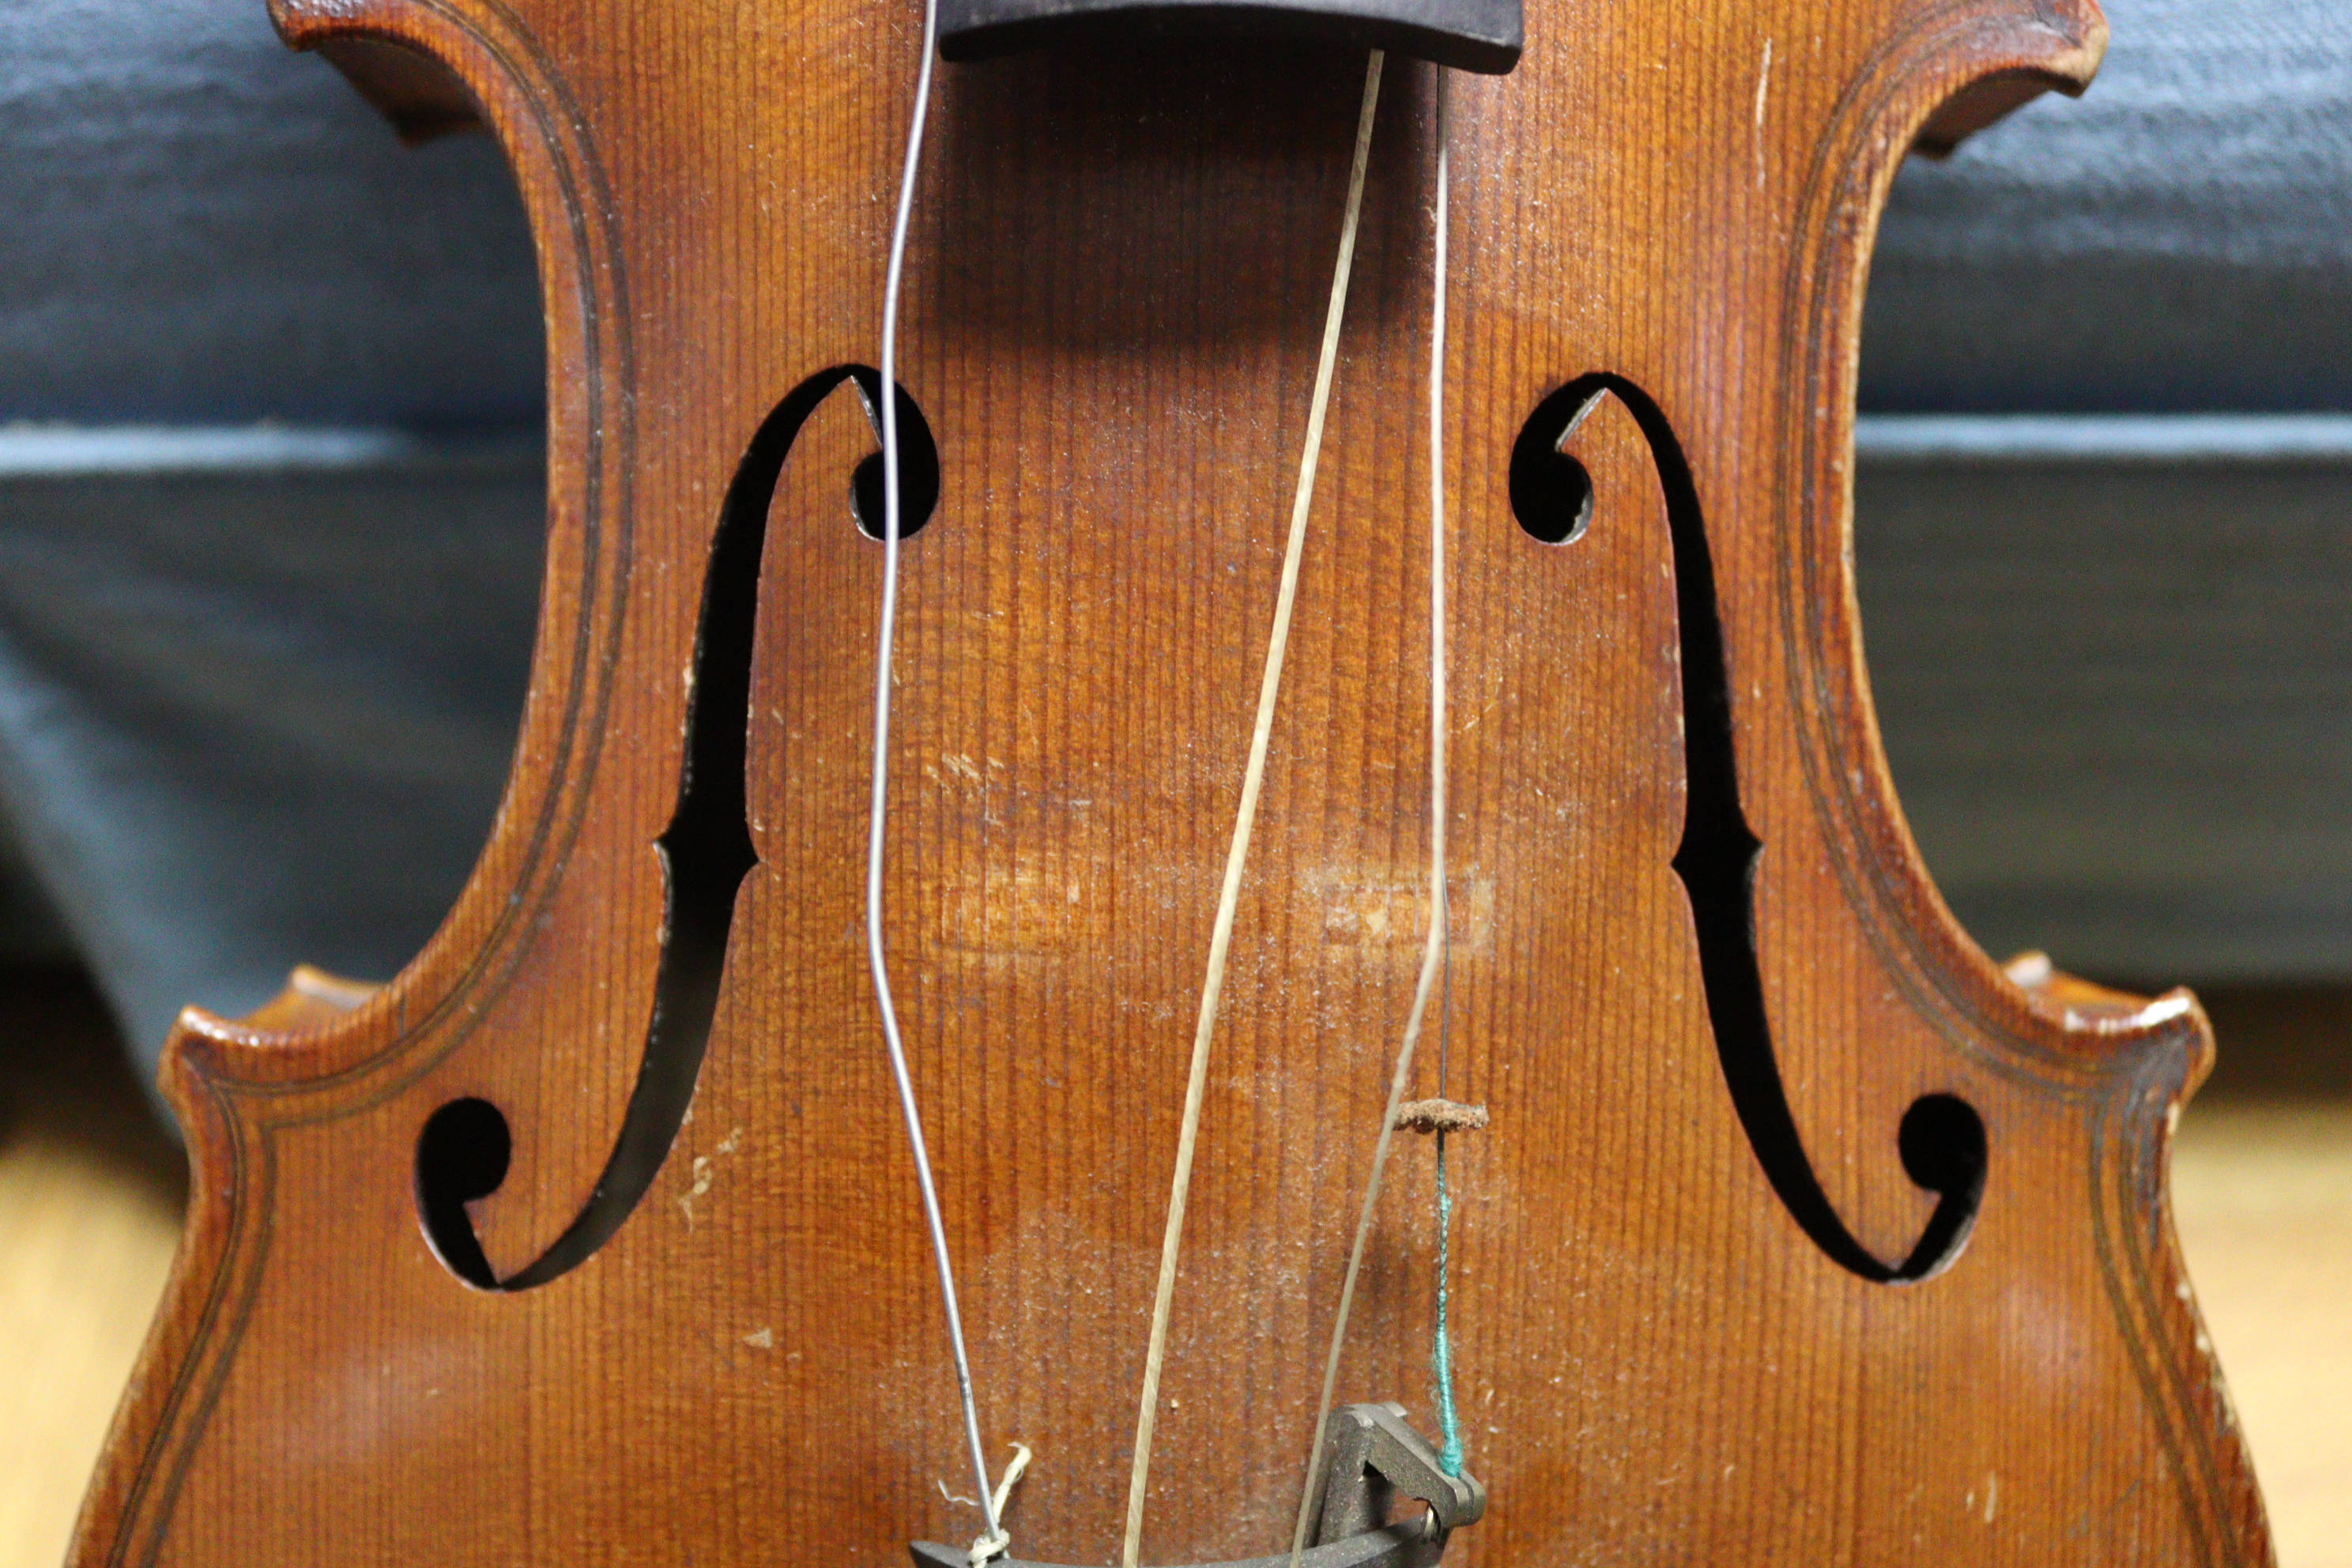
pixel 919 465
pixel 1551 495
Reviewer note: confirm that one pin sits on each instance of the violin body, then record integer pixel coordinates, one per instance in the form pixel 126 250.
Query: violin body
pixel 658 1290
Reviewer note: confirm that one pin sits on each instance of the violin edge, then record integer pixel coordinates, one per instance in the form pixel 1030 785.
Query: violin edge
pixel 218 1075
pixel 2135 1062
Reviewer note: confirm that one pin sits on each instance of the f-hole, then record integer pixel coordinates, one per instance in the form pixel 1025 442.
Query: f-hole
pixel 705 852
pixel 1941 1138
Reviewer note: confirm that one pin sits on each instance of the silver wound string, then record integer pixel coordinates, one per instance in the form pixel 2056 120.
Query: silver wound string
pixel 1433 952
pixel 1244 819
pixel 877 820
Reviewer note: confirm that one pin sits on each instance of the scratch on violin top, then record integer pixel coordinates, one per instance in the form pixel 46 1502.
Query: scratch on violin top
pixel 1763 91
pixel 701 1174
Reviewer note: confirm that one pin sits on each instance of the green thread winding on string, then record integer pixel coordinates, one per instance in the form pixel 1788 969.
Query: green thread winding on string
pixel 1441 1355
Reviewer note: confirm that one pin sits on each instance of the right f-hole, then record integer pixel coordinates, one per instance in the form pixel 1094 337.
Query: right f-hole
pixel 1941 1138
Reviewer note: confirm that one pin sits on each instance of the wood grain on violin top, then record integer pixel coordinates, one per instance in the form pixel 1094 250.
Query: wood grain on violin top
pixel 1719 1293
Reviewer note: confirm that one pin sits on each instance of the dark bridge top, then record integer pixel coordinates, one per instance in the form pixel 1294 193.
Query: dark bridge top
pixel 1473 34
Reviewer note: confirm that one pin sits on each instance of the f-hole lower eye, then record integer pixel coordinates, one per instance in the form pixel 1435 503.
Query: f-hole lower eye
pixel 461 1155
pixel 1945 1151
pixel 1942 1141
pixel 919 470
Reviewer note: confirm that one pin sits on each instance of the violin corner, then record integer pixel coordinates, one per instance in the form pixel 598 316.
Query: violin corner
pixel 2055 50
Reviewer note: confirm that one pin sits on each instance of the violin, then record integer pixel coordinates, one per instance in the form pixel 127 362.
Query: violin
pixel 1198 871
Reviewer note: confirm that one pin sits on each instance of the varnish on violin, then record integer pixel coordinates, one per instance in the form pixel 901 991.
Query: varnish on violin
pixel 1198 871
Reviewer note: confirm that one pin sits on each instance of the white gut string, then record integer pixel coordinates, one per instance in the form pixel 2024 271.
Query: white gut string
pixel 1244 819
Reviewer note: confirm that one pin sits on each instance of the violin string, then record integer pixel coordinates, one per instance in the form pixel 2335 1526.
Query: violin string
pixel 1245 820
pixel 1440 1353
pixel 1433 950
pixel 879 815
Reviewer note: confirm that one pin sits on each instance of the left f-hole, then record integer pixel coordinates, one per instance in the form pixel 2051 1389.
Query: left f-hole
pixel 707 851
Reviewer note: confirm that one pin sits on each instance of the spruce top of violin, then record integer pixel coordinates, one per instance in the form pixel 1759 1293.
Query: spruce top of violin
pixel 1317 483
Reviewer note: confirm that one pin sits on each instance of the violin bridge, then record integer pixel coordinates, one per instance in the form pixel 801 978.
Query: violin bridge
pixel 1371 1454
